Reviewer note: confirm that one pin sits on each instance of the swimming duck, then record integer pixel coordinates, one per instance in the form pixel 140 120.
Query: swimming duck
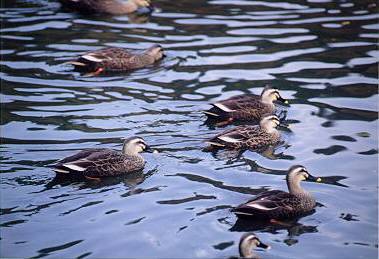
pixel 117 59
pixel 248 242
pixel 112 7
pixel 246 107
pixel 94 163
pixel 247 136
pixel 277 204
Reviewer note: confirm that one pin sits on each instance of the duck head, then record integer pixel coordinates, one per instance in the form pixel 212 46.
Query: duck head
pixel 269 123
pixel 135 145
pixel 295 175
pixel 299 173
pixel 156 51
pixel 247 243
pixel 269 95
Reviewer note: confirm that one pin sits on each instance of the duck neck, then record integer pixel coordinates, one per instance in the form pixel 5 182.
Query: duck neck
pixel 147 58
pixel 266 99
pixel 269 128
pixel 247 252
pixel 130 152
pixel 295 188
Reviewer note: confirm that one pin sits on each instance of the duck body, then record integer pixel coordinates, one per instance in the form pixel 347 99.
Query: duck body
pixel 278 204
pixel 103 162
pixel 97 163
pixel 253 137
pixel 245 137
pixel 117 59
pixel 111 7
pixel 246 107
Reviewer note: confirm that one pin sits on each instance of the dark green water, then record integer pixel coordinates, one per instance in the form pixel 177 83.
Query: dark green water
pixel 322 55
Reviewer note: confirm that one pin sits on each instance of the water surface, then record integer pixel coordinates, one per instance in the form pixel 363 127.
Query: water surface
pixel 322 55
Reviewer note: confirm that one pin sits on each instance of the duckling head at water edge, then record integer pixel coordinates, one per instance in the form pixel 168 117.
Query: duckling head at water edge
pixel 248 242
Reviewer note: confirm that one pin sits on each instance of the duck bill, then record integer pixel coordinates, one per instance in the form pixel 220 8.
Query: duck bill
pixel 285 125
pixel 148 149
pixel 264 246
pixel 281 99
pixel 312 178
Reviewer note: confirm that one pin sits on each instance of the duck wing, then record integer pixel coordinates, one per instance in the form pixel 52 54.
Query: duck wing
pixel 108 58
pixel 81 155
pixel 242 107
pixel 238 102
pixel 271 204
pixel 83 160
pixel 237 136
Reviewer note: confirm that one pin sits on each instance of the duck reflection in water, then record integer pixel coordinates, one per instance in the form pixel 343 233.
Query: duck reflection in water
pixel 130 181
pixel 233 156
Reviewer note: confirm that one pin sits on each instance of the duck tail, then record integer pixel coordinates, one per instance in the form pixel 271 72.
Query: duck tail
pixel 211 114
pixel 61 171
pixel 211 143
pixel 212 146
pixel 76 63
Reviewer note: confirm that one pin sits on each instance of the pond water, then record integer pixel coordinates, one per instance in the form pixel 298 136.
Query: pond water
pixel 321 54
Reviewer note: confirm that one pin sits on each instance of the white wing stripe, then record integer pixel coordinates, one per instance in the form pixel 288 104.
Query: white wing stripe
pixel 91 58
pixel 223 107
pixel 74 167
pixel 259 207
pixel 229 139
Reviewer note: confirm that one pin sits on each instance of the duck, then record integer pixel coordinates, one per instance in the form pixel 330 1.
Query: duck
pixel 246 107
pixel 116 59
pixel 253 137
pixel 111 7
pixel 248 242
pixel 96 163
pixel 276 204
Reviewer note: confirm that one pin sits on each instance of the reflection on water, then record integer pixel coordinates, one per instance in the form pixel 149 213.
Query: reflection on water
pixel 321 55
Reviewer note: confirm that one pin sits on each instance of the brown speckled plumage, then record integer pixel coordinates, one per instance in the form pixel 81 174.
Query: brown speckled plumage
pixel 117 59
pixel 247 137
pixel 102 162
pixel 245 107
pixel 277 204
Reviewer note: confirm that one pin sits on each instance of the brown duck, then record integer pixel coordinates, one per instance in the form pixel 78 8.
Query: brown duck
pixel 251 137
pixel 117 60
pixel 277 204
pixel 94 163
pixel 112 7
pixel 246 107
